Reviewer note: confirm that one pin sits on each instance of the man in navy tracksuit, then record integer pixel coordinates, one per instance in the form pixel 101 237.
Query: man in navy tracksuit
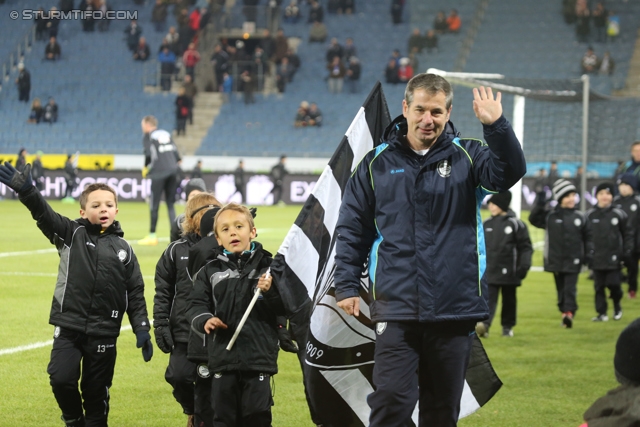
pixel 412 211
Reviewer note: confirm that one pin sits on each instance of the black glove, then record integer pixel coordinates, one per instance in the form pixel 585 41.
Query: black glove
pixel 284 337
pixel 164 340
pixel 521 273
pixel 17 181
pixel 144 341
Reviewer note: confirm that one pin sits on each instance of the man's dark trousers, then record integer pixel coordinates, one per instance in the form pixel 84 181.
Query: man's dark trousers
pixel 98 358
pixel 431 356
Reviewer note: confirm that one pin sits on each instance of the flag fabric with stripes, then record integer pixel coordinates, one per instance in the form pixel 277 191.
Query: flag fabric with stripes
pixel 336 350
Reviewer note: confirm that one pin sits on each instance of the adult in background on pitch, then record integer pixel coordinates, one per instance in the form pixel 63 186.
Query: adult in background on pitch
pixel 629 201
pixel 410 212
pixel 278 172
pixel 37 171
pixel 170 322
pixel 240 182
pixel 568 243
pixel 161 159
pixel 632 166
pixel 99 279
pixel 509 253
pixel 71 172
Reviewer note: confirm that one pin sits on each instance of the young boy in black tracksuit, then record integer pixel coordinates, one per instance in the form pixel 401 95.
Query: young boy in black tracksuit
pixel 223 288
pixel 173 286
pixel 629 202
pixel 99 280
pixel 509 253
pixel 613 244
pixel 568 243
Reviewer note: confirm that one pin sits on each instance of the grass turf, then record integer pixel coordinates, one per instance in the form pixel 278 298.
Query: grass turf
pixel 551 375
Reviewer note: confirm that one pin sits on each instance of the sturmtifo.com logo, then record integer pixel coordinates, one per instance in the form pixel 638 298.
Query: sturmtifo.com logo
pixel 76 14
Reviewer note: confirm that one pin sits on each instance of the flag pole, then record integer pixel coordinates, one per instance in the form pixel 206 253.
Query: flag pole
pixel 247 312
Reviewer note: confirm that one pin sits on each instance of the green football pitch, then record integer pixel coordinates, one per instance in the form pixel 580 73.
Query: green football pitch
pixel 551 375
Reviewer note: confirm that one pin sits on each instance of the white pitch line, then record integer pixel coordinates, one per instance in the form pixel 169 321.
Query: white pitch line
pixel 37 345
pixel 37 251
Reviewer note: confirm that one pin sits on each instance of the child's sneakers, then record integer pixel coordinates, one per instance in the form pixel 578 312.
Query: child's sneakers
pixel 617 315
pixel 567 320
pixel 73 423
pixel 481 330
pixel 602 318
pixel 150 240
pixel 507 332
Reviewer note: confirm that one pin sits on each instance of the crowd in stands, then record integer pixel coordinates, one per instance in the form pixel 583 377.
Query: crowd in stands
pixel 308 114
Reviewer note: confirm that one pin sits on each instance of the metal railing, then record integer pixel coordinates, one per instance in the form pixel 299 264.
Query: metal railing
pixel 10 65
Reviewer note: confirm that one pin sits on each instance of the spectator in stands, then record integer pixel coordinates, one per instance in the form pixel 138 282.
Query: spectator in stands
pixel 35 116
pixel 133 32
pixel 41 23
pixel 205 18
pixel 589 62
pixel 190 91
pixel 194 22
pixel 167 60
pixel 281 46
pixel 227 86
pixel 182 17
pixel 334 50
pixel 52 22
pixel 172 38
pixel 454 22
pixel 260 63
pixel 395 55
pixel 292 13
pixel 349 50
pixel 273 14
pixel 353 74
pixel 316 13
pixel 50 111
pixel 182 111
pixel 23 81
pixel 440 23
pixel 52 51
pixel 268 45
pixel 247 80
pixel 159 15
pixel 613 26
pixel 347 7
pixel 220 60
pixel 301 115
pixel 583 25
pixel 318 33
pixel 283 74
pixel 391 72
pixel 599 15
pixel 416 41
pixel 405 72
pixel 337 71
pixel 413 61
pixel 396 11
pixel 103 24
pixel 607 64
pixel 190 58
pixel 314 115
pixel 431 41
pixel 569 11
pixel 88 23
pixel 294 62
pixel 142 51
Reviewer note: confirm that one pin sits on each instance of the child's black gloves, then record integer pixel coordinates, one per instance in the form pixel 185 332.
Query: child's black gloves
pixel 17 181
pixel 164 340
pixel 284 337
pixel 144 341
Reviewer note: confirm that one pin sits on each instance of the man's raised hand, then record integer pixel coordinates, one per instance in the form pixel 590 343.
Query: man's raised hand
pixel 487 109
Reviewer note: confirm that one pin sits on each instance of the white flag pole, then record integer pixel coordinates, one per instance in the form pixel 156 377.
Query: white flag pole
pixel 247 312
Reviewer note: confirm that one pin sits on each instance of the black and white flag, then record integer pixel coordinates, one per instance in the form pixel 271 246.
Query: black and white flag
pixel 337 350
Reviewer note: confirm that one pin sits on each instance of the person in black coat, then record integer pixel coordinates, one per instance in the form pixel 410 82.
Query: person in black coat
pixel 629 201
pixel 568 243
pixel 509 252
pixel 24 83
pixel 613 245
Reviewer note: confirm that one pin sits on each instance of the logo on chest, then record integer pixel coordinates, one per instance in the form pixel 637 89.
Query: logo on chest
pixel 122 255
pixel 444 168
